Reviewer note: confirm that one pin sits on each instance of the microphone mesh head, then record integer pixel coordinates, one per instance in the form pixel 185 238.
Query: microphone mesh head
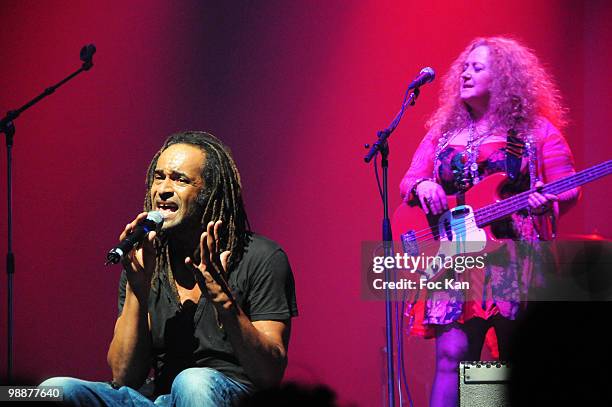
pixel 430 71
pixel 156 217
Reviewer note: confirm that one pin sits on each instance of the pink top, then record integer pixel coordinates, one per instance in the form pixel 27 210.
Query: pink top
pixel 554 160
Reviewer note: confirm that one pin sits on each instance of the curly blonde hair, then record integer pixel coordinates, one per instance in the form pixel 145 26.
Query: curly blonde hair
pixel 521 90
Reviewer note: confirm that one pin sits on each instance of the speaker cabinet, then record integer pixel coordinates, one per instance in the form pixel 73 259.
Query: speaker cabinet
pixel 483 384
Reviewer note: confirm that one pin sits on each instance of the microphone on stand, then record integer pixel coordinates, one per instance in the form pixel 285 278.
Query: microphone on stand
pixel 86 56
pixel 426 75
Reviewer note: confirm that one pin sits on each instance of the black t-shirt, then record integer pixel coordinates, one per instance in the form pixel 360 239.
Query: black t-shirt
pixel 189 335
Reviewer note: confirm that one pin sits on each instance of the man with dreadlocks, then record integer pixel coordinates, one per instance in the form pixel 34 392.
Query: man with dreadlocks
pixel 206 303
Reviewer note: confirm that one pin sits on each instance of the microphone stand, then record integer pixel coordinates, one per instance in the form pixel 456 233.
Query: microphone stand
pixel 382 146
pixel 7 127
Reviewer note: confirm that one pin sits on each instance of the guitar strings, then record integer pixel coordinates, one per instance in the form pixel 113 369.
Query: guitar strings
pixel 517 202
pixel 474 225
pixel 511 205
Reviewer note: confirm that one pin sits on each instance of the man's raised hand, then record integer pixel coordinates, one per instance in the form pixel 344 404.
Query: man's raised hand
pixel 212 270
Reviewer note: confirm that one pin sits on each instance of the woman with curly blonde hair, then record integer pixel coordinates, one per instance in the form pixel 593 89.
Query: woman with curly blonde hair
pixel 499 111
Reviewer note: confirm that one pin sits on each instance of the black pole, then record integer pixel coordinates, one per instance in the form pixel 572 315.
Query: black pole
pixel 10 256
pixel 7 126
pixel 382 146
pixel 387 236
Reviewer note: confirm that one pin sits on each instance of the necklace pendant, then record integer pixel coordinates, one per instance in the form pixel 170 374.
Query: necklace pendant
pixel 474 167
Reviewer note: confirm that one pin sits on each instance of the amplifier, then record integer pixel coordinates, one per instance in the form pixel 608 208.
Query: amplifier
pixel 484 384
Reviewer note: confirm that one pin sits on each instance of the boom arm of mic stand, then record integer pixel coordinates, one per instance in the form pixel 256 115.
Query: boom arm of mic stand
pixel 383 135
pixel 6 123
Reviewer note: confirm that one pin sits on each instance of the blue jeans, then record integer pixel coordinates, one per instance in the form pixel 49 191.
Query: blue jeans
pixel 197 386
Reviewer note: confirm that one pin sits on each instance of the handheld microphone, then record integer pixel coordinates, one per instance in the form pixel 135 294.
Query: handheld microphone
pixel 426 75
pixel 153 222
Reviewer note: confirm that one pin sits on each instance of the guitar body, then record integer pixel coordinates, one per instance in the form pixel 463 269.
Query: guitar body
pixel 465 227
pixel 455 231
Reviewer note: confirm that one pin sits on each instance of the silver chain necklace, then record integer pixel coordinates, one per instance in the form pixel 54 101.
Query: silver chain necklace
pixel 470 168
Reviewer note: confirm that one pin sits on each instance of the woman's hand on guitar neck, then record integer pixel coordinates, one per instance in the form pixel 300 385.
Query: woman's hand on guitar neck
pixel 542 203
pixel 432 197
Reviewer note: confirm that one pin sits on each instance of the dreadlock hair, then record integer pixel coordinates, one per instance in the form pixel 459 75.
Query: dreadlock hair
pixel 220 199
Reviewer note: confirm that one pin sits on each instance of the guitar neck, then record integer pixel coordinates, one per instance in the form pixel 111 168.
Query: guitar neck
pixel 499 210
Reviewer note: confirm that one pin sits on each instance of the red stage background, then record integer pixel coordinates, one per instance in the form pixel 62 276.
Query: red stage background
pixel 295 89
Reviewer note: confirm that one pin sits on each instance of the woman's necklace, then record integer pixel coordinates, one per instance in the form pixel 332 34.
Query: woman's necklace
pixel 470 168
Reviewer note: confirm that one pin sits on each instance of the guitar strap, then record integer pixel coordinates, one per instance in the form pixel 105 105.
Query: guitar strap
pixel 515 148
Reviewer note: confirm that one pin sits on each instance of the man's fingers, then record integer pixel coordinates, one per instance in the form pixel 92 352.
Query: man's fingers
pixel 131 262
pixel 224 258
pixel 217 236
pixel 141 216
pixel 210 239
pixel 130 226
pixel 217 226
pixel 213 264
pixel 197 272
pixel 202 276
pixel 189 262
pixel 147 243
pixel 126 231
pixel 204 256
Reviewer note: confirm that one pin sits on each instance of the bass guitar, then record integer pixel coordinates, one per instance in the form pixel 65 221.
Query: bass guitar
pixel 466 226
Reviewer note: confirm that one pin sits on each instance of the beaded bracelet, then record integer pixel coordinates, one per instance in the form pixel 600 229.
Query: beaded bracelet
pixel 413 191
